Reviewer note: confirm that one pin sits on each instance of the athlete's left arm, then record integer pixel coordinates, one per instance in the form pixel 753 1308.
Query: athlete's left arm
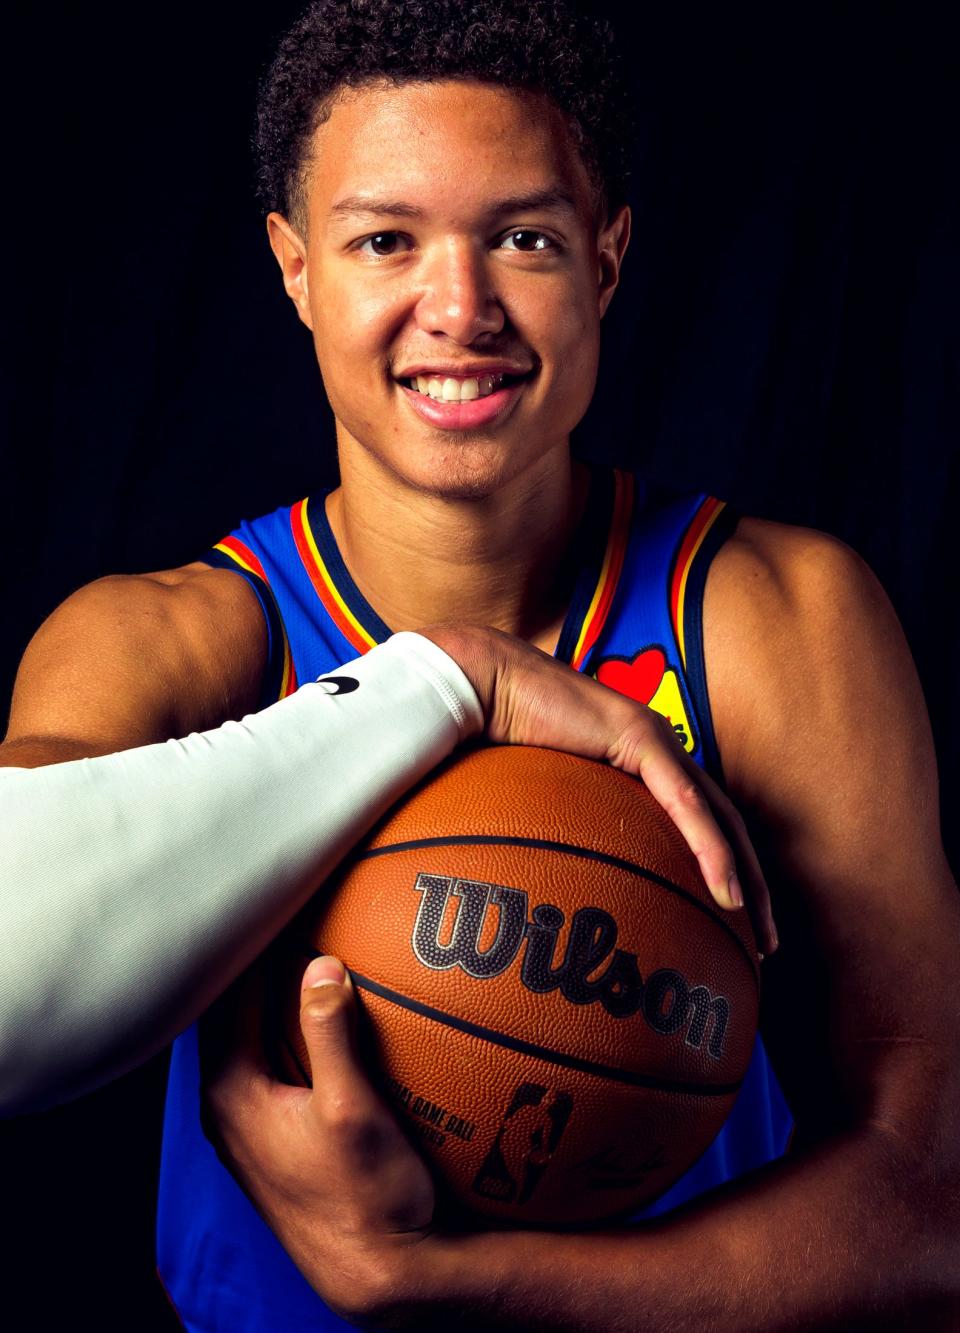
pixel 826 746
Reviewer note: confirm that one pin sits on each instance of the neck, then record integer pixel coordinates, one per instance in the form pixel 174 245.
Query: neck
pixel 497 560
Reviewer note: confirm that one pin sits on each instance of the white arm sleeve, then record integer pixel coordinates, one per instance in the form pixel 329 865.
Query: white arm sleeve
pixel 136 886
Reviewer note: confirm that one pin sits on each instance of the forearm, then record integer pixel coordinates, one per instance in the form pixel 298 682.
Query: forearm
pixel 137 885
pixel 849 1236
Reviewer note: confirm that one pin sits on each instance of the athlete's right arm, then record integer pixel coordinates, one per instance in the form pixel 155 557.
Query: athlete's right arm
pixel 142 874
pixel 132 660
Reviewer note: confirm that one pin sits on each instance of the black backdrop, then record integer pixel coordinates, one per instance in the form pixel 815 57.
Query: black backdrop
pixel 785 337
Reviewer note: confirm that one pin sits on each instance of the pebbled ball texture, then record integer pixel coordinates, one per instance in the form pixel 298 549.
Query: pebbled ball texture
pixel 558 1010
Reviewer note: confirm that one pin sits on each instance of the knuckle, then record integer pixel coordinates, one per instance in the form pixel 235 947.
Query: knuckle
pixel 689 796
pixel 324 1006
pixel 632 746
pixel 342 1112
pixel 359 1135
pixel 662 728
pixel 651 736
pixel 629 753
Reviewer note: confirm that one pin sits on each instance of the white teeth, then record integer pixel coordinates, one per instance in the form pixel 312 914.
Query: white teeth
pixel 449 390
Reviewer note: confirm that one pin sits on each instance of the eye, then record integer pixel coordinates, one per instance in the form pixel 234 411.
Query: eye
pixel 384 244
pixel 522 241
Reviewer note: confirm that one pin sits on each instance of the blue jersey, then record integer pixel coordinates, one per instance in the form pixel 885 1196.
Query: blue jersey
pixel 635 623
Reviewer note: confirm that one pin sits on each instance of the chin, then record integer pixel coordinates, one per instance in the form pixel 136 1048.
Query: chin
pixel 460 472
pixel 456 487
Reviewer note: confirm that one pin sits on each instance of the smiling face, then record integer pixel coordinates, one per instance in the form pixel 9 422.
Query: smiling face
pixel 454 278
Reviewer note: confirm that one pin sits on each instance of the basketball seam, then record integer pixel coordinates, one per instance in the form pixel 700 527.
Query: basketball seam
pixel 569 849
pixel 611 1072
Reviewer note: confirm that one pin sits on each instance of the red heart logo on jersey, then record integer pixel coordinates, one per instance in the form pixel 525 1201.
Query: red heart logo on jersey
pixel 639 678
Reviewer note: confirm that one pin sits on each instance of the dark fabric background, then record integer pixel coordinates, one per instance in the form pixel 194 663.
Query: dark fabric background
pixel 785 338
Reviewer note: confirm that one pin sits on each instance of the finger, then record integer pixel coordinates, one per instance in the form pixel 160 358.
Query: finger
pixel 684 800
pixel 706 820
pixel 388 1181
pixel 328 1014
pixel 755 889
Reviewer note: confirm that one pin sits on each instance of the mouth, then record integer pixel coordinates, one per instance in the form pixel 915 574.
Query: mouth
pixel 465 389
pixel 462 403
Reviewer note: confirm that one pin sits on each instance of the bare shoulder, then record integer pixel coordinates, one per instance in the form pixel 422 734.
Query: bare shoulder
pixel 819 714
pixel 132 659
pixel 790 583
pixel 800 639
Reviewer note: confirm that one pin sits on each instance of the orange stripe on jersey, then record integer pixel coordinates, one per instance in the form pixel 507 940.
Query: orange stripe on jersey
pixel 337 609
pixel 703 521
pixel 241 555
pixel 610 570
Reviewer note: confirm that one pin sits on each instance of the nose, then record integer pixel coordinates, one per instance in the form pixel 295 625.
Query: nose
pixel 458 297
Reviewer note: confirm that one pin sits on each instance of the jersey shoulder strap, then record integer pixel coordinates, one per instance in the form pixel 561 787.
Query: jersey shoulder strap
pixel 291 560
pixel 243 553
pixel 650 644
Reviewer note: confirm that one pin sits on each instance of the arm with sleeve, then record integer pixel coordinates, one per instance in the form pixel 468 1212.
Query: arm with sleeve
pixel 138 885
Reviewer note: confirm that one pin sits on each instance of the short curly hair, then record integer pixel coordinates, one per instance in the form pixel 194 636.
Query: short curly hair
pixel 548 46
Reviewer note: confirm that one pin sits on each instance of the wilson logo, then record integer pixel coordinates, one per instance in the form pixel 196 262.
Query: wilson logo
pixel 666 999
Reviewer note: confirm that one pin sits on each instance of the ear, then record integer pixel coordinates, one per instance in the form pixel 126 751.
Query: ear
pixel 612 241
pixel 290 253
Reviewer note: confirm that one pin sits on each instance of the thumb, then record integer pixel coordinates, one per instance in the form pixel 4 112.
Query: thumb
pixel 328 1020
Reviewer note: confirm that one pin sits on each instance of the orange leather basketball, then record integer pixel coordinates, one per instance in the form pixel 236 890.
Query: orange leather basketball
pixel 560 1012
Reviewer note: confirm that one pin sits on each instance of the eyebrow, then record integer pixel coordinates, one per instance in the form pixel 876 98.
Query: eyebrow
pixel 357 205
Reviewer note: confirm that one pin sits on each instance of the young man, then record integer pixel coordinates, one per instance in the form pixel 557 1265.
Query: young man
pixel 145 875
pixel 448 213
pixel 438 222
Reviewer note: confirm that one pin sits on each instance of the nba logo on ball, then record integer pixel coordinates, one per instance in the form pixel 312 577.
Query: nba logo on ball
pixel 525 1143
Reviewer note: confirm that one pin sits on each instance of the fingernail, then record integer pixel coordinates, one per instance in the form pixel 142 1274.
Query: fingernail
pixel 324 971
pixel 736 893
pixel 776 938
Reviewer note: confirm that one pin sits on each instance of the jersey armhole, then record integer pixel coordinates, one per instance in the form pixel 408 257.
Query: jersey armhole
pixel 278 676
pixel 695 665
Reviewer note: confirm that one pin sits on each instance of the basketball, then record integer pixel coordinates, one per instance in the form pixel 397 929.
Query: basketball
pixel 560 1013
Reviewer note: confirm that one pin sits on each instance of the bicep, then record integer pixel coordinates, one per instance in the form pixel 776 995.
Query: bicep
pixel 129 661
pixel 827 749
